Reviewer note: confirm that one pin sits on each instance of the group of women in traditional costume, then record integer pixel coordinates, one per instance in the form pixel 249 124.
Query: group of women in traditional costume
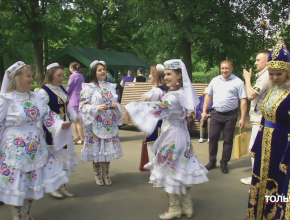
pixel 270 189
pixel 36 146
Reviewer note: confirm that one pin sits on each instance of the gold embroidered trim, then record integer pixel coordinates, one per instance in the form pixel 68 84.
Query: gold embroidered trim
pixel 254 194
pixel 271 115
pixel 265 162
pixel 276 51
pixel 261 127
pixel 272 213
pixel 282 212
pixel 252 154
pixel 278 65
pixel 283 168
pixel 251 214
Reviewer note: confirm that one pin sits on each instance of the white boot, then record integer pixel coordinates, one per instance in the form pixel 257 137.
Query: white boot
pixel 26 209
pixel 98 174
pixel 174 210
pixel 56 194
pixel 17 212
pixel 187 206
pixel 105 170
pixel 64 192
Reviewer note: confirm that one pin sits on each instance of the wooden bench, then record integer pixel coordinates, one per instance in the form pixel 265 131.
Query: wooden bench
pixel 133 91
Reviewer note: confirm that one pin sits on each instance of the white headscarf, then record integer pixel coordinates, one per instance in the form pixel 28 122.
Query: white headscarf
pixel 8 73
pixel 191 99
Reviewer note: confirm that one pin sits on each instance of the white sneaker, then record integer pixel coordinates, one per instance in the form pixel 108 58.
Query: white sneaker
pixel 247 180
pixel 208 140
pixel 200 140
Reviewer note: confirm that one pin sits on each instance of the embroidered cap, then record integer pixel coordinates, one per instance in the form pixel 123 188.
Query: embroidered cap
pixel 16 66
pixel 279 58
pixel 190 98
pixel 8 73
pixel 172 65
pixel 51 66
pixel 160 67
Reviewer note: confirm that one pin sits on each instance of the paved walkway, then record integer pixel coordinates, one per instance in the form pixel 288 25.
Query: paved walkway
pixel 132 198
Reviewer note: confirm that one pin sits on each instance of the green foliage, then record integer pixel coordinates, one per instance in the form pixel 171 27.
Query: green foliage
pixel 155 30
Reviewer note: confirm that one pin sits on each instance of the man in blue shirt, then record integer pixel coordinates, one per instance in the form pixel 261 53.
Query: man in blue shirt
pixel 226 90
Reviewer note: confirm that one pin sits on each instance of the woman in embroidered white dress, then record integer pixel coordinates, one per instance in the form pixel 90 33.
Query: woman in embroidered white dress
pixel 101 115
pixel 57 99
pixel 175 166
pixel 28 167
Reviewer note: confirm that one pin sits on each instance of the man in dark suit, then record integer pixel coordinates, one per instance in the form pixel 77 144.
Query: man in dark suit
pixel 140 77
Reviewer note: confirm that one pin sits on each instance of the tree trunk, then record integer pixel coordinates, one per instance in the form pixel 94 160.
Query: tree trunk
pixel 99 34
pixel 37 40
pixel 186 52
pixel 223 56
pixel 2 69
pixel 45 46
pixel 38 51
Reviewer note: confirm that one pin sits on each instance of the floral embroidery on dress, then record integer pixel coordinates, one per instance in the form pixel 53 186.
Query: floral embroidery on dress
pixel 168 155
pixel 50 120
pixel 106 96
pixel 106 123
pixel 189 153
pixel 27 146
pixel 161 109
pixel 31 110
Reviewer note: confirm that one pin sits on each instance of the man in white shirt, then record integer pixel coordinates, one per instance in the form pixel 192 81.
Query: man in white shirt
pixel 256 94
pixel 226 90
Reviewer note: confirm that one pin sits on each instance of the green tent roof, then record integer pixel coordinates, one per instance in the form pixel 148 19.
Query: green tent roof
pixel 113 59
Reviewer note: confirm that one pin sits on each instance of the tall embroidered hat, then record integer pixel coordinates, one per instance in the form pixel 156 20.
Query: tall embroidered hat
pixel 279 58
pixel 8 74
pixel 191 99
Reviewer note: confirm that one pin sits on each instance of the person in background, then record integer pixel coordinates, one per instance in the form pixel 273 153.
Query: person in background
pixel 101 113
pixel 202 123
pixel 28 166
pixel 256 94
pixel 56 97
pixel 128 78
pixel 73 90
pixel 226 90
pixel 270 176
pixel 119 88
pixel 155 94
pixel 110 78
pixel 140 77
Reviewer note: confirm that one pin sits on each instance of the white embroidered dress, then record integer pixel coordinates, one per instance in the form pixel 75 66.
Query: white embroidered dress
pixel 155 94
pixel 28 168
pixel 101 141
pixel 175 165
pixel 68 156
